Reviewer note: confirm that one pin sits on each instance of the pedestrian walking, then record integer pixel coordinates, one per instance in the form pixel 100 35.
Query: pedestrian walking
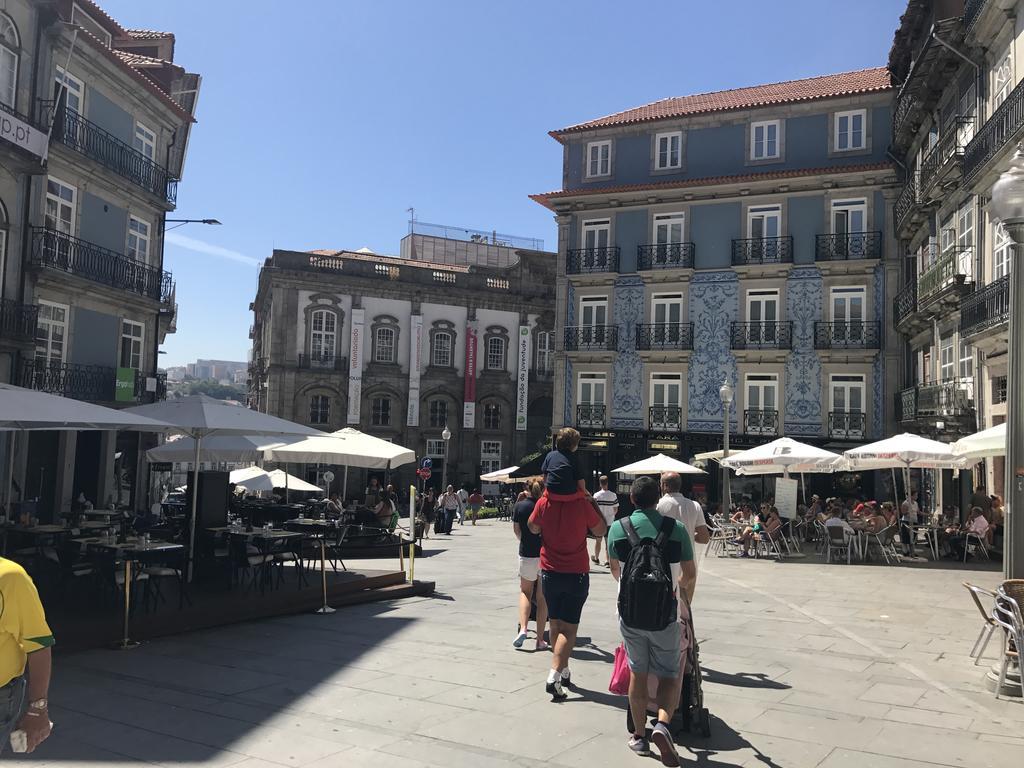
pixel 529 569
pixel 463 495
pixel 449 504
pixel 608 503
pixel 427 514
pixel 476 500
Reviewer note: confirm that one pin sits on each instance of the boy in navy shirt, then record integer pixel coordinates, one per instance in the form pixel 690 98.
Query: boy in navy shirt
pixel 561 467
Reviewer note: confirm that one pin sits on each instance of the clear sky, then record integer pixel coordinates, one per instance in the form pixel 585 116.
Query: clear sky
pixel 322 121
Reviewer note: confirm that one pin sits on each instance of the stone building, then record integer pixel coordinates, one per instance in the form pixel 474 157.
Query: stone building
pixel 402 347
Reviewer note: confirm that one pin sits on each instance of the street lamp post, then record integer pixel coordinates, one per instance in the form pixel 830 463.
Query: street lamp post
pixel 446 435
pixel 1007 206
pixel 725 393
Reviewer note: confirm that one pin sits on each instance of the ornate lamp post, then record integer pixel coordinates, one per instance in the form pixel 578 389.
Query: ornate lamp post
pixel 446 435
pixel 725 393
pixel 1007 207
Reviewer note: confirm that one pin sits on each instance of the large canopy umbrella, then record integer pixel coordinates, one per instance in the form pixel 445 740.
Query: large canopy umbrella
pixel 656 464
pixel 200 417
pixel 981 445
pixel 27 409
pixel 220 448
pixel 499 475
pixel 782 456
pixel 257 479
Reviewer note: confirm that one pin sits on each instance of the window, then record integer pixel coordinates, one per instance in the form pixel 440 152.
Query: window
pixel 666 390
pixel 9 53
pixel 596 233
pixel 764 221
pixel 492 416
pixel 849 130
pixel 1002 253
pixel 384 345
pixel 599 159
pixel 593 320
pixel 764 140
pixel 73 90
pixel 51 332
pixel 60 206
pixel 437 412
pixel 846 406
pixel 667 308
pixel 131 344
pixel 495 353
pixel 381 412
pixel 947 361
pixel 947 235
pixel 144 141
pixel 762 317
pixel 442 352
pixel 966 367
pixel 1002 77
pixel 669 228
pixel 999 384
pixel 762 415
pixel 849 216
pixel 490 456
pixel 435 449
pixel 319 409
pixel 323 336
pixel 668 150
pixel 847 307
pixel 545 351
pixel 138 239
pixel 965 226
pixel 591 389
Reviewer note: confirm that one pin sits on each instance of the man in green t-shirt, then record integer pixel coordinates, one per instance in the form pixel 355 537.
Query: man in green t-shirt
pixel 653 652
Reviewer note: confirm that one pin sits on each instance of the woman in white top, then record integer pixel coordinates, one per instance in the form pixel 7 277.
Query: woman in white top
pixel 608 504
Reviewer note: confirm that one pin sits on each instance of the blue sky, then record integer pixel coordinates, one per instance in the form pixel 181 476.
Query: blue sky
pixel 321 122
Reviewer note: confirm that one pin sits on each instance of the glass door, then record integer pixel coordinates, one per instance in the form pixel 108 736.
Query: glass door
pixel 593 320
pixel 761 416
pixel 596 237
pixel 763 227
pixel 848 317
pixel 666 318
pixel 762 317
pixel 846 406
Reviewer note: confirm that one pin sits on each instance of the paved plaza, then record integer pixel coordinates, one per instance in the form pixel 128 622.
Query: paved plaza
pixel 806 665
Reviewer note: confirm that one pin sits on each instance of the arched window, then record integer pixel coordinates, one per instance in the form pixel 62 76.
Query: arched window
pixel 319 409
pixel 323 336
pixel 381 412
pixel 384 345
pixel 495 353
pixel 441 354
pixel 492 416
pixel 10 50
pixel 437 410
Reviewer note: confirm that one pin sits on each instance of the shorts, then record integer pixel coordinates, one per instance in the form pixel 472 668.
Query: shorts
pixel 529 568
pixel 565 594
pixel 653 652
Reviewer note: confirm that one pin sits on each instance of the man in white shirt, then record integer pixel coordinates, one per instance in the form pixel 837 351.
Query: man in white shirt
pixel 463 495
pixel 608 503
pixel 687 511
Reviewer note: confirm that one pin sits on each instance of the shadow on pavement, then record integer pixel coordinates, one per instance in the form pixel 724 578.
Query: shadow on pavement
pixel 724 739
pixel 742 679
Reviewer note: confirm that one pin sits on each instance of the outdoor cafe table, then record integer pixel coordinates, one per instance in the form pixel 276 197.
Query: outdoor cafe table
pixel 263 535
pixel 931 536
pixel 317 529
pixel 131 550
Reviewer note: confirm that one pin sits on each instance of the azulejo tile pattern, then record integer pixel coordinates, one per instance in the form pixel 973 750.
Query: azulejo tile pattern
pixel 804 292
pixel 627 372
pixel 878 369
pixel 714 304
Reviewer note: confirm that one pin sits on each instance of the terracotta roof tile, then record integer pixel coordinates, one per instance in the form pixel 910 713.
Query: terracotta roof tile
pixel 148 34
pixel 825 86
pixel 138 60
pixel 545 198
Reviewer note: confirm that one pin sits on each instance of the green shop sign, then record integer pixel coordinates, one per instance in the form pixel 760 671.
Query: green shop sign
pixel 124 386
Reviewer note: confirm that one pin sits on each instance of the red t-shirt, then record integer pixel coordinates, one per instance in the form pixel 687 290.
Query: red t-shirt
pixel 564 521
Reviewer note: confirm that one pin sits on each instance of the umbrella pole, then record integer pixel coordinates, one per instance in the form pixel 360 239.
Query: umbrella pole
pixel 803 485
pixel 195 498
pixel 9 479
pixel 344 488
pixel 895 488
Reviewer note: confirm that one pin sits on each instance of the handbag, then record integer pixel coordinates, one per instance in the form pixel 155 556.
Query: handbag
pixel 619 684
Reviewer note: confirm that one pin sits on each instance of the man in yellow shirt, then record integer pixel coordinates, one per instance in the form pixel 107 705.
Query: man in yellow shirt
pixel 25 641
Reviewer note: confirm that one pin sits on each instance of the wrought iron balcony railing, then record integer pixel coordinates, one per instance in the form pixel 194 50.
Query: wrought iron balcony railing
pixel 848 245
pixel 986 308
pixel 907 201
pixel 1000 130
pixel 775 334
pixel 323 361
pixel 949 148
pixel 762 250
pixel 58 250
pixel 18 321
pixel 81 135
pixel 591 338
pixel 664 256
pixel 950 398
pixel 95 383
pixel 579 261
pixel 142 395
pixel 950 268
pixel 760 421
pixel 667 417
pixel 905 303
pixel 847 425
pixel 847 334
pixel 664 336
pixel 972 9
pixel 590 415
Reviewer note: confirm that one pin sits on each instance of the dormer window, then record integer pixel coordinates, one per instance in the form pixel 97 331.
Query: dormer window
pixel 764 140
pixel 89 24
pixel 599 159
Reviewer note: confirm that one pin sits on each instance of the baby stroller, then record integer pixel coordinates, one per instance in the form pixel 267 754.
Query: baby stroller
pixel 691 712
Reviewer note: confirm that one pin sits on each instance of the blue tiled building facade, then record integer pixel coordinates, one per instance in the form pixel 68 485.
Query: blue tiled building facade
pixel 744 235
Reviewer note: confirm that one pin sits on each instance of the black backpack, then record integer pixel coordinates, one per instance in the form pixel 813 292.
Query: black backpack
pixel 646 597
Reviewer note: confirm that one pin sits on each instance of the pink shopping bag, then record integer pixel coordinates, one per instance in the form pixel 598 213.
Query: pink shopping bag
pixel 619 684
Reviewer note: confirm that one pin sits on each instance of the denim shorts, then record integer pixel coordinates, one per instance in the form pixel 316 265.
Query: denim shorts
pixel 12 701
pixel 565 594
pixel 653 652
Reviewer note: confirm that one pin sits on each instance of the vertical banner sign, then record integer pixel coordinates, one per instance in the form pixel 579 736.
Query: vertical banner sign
pixel 469 391
pixel 355 370
pixel 523 379
pixel 415 353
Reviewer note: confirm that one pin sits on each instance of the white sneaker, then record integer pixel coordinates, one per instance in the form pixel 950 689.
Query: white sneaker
pixel 518 642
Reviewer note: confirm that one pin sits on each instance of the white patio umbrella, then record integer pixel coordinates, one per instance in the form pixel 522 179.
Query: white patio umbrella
pixel 282 479
pixel 656 464
pixel 980 445
pixel 782 456
pixel 252 479
pixel 499 475
pixel 200 417
pixel 30 410
pixel 220 448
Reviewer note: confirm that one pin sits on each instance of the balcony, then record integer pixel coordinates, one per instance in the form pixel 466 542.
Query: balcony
pixel 972 9
pixel 908 207
pixel 18 321
pixel 760 421
pixel 985 309
pixel 944 163
pixel 323 362
pixel 951 399
pixel 762 250
pixel 949 275
pixel 774 334
pixel 585 261
pixel 63 252
pixel 592 338
pixel 1001 131
pixel 144 396
pixel 847 334
pixel 904 306
pixel 848 245
pixel 665 417
pixel 95 383
pixel 664 256
pixel 74 131
pixel 664 336
pixel 590 415
pixel 846 425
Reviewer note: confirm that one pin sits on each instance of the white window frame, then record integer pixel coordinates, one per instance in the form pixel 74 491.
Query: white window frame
pixel 855 381
pixel 74 88
pixel 666 379
pixel 667 222
pixel 765 126
pixel 760 378
pixel 373 411
pixel 948 359
pixel 12 50
pixel 391 345
pixel 545 351
pixel 667 137
pixel 325 355
pixel 593 301
pixel 603 160
pixel 436 349
pixel 49 322
pixel 855 205
pixel 763 212
pixel 490 456
pixel 59 200
pixel 139 239
pixel 759 295
pixel 435 448
pixel 144 140
pixel 323 414
pixel 837 134
pixel 1002 252
pixel 483 418
pixel 496 359
pixel 134 334
pixel 666 300
pixel 847 291
pixel 965 361
pixel 596 226
pixel 447 412
pixel 1002 76
pixel 591 378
